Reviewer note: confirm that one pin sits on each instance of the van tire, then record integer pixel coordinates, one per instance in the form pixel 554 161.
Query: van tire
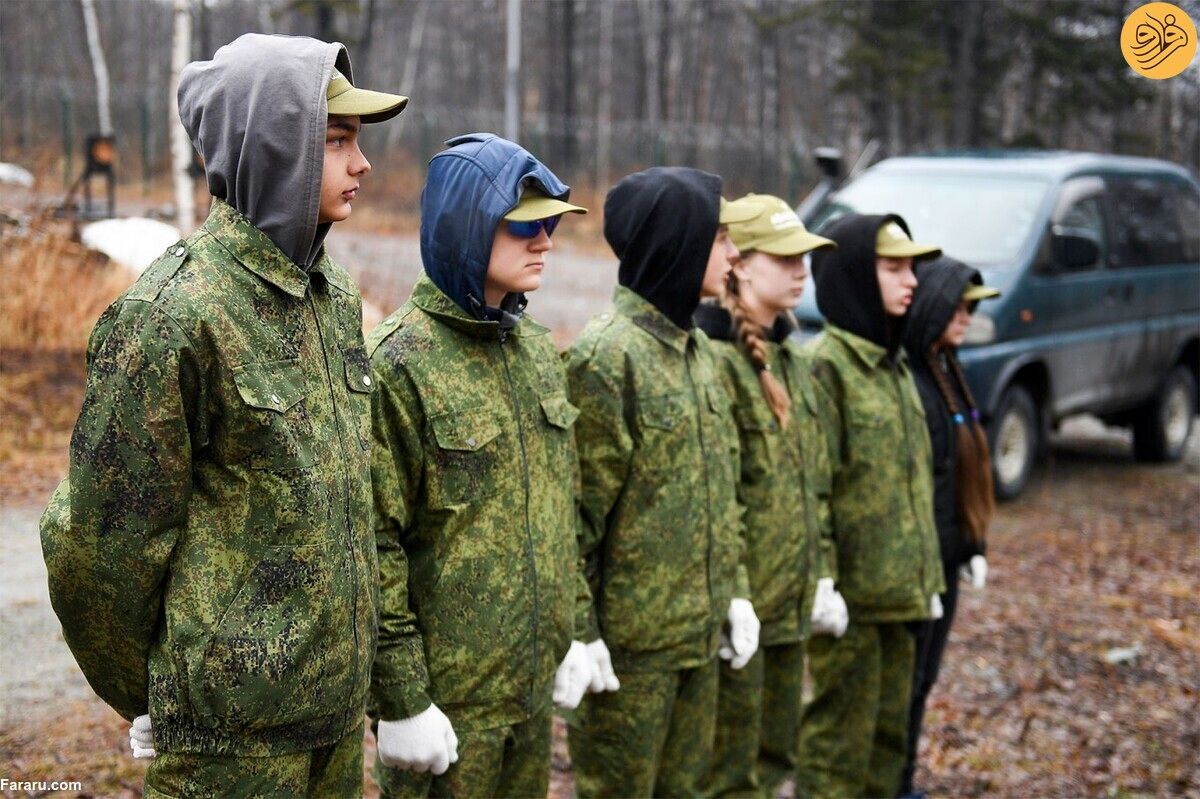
pixel 1014 437
pixel 1162 426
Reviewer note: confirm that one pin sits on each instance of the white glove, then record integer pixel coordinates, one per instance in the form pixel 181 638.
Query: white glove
pixel 573 677
pixel 141 737
pixel 829 614
pixel 603 676
pixel 935 607
pixel 424 742
pixel 742 642
pixel 975 571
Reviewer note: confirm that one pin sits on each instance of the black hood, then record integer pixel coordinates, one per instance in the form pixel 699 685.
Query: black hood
pixel 717 324
pixel 847 286
pixel 940 284
pixel 661 224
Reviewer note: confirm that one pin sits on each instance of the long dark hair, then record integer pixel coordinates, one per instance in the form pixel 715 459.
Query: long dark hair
pixel 976 502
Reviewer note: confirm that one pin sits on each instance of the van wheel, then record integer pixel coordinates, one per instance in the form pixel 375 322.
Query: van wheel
pixel 1013 437
pixel 1162 426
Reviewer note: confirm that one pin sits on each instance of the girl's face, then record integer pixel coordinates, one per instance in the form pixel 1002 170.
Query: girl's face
pixel 720 261
pixel 896 283
pixel 956 328
pixel 516 264
pixel 775 282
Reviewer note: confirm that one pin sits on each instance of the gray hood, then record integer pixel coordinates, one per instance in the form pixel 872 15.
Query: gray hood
pixel 256 113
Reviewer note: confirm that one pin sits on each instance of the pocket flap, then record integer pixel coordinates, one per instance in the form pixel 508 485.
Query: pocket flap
pixel 559 411
pixel 664 412
pixel 464 430
pixel 755 417
pixel 358 370
pixel 272 385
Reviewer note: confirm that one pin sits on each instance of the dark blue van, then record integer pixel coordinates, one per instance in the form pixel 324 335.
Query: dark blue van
pixel 1099 260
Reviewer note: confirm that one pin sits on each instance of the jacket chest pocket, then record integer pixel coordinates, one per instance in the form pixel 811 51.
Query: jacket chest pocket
pixel 666 434
pixel 274 430
pixel 469 459
pixel 760 438
pixel 559 416
pixel 360 383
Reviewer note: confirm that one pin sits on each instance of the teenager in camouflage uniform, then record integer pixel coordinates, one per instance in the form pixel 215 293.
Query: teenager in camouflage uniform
pixel 211 554
pixel 882 543
pixel 661 532
pixel 783 487
pixel 476 482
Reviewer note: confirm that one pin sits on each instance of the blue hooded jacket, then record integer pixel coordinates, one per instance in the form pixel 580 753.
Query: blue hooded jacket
pixel 470 187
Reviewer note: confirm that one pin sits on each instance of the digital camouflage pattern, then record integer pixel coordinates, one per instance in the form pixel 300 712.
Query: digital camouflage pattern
pixel 854 729
pixel 660 525
pixel 511 761
pixel 334 770
pixel 881 532
pixel 211 554
pixel 475 480
pixel 758 723
pixel 653 737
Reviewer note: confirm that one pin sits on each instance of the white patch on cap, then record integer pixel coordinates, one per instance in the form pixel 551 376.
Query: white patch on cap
pixel 894 231
pixel 782 220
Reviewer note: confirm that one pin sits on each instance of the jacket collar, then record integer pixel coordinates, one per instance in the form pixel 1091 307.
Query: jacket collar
pixel 871 354
pixel 433 301
pixel 650 319
pixel 254 249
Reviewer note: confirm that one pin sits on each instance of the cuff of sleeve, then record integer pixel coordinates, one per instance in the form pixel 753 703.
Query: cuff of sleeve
pixel 741 589
pixel 587 629
pixel 828 565
pixel 397 702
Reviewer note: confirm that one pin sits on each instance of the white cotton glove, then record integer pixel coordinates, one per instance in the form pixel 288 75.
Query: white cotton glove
pixel 424 742
pixel 141 737
pixel 830 616
pixel 603 676
pixel 975 571
pixel 936 611
pixel 742 641
pixel 573 677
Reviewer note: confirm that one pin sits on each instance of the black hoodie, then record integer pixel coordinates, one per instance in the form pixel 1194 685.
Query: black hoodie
pixel 717 324
pixel 661 224
pixel 847 286
pixel 941 283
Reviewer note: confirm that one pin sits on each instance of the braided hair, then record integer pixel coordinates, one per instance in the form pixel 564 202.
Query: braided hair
pixel 753 343
pixel 976 502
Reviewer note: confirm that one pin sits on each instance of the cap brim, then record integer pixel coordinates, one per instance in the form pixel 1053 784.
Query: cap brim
pixel 795 242
pixel 531 208
pixel 907 249
pixel 369 106
pixel 736 211
pixel 975 293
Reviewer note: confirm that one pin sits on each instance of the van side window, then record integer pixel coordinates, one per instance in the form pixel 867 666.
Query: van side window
pixel 1146 222
pixel 1086 218
pixel 1187 209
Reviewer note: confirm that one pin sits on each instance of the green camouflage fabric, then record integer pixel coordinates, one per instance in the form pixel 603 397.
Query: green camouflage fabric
pixel 511 761
pixel 334 770
pixel 881 534
pixel 758 723
pixel 660 525
pixel 653 737
pixel 475 479
pixel 211 554
pixel 784 487
pixel 853 732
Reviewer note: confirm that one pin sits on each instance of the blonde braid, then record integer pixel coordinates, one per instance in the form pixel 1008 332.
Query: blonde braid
pixel 755 346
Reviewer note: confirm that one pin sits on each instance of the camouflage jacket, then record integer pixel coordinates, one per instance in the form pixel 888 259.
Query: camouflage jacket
pixel 784 487
pixel 475 480
pixel 210 554
pixel 881 533
pixel 660 525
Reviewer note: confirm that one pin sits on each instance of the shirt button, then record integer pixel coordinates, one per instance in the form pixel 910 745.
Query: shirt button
pixel 180 251
pixel 471 443
pixel 366 380
pixel 603 317
pixel 274 399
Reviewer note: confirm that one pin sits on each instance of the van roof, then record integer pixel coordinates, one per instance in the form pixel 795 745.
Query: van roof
pixel 1052 164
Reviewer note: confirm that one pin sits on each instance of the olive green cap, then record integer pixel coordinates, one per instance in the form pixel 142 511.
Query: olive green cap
pixel 770 225
pixel 343 99
pixel 893 242
pixel 975 292
pixel 732 213
pixel 536 204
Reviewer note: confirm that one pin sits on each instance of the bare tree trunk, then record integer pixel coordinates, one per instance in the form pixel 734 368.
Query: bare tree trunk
pixel 604 96
pixel 409 75
pixel 965 102
pixel 181 148
pixel 99 67
pixel 512 71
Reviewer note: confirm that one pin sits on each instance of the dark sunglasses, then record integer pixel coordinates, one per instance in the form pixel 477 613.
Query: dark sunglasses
pixel 531 229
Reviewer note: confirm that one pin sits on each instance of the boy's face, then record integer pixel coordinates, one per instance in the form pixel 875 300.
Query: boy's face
pixel 344 165
pixel 516 263
pixel 896 283
pixel 721 258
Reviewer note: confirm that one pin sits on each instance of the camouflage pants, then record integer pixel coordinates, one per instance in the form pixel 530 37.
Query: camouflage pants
pixel 853 732
pixel 758 723
pixel 335 770
pixel 653 737
pixel 510 761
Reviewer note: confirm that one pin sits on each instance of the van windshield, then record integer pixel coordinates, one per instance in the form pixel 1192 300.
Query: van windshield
pixel 981 219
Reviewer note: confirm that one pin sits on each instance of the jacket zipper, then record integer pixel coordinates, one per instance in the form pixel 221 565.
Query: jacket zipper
pixel 912 504
pixel 535 621
pixel 708 558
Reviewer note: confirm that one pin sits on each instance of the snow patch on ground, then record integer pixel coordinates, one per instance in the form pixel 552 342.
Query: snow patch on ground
pixel 135 242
